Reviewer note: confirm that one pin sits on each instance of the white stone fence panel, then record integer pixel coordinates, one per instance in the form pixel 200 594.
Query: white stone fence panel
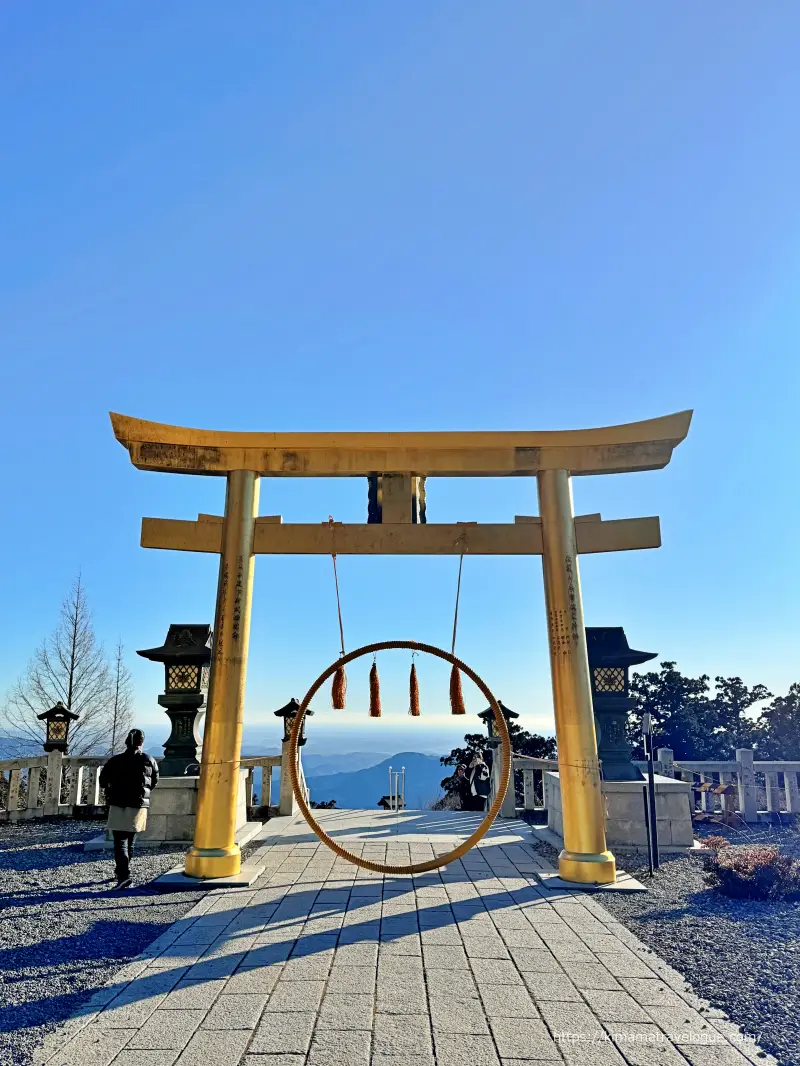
pixel 68 786
pixel 757 790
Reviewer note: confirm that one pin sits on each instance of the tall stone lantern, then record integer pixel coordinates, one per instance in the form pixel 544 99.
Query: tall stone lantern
pixel 186 655
pixel 610 659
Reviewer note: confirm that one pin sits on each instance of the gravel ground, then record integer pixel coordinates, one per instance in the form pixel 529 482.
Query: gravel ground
pixel 742 956
pixel 64 929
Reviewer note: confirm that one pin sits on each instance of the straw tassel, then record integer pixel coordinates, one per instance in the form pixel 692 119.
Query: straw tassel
pixel 413 692
pixel 339 689
pixel 374 692
pixel 456 695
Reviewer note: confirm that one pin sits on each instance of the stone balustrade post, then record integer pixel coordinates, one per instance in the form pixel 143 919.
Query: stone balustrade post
pixel 52 796
pixel 666 759
pixel 748 805
pixel 34 777
pixel 94 788
pixel 13 793
pixel 75 785
pixel 773 793
pixel 728 801
pixel 529 790
pixel 509 805
pixel 792 791
pixel 288 804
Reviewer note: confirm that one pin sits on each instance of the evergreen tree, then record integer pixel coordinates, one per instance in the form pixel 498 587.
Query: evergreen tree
pixel 779 727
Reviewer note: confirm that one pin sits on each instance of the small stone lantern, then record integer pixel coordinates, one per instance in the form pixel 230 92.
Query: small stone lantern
pixel 487 717
pixel 609 661
pixel 288 714
pixel 58 721
pixel 186 655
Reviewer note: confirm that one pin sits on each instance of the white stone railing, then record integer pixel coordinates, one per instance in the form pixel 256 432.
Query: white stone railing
pixel 533 771
pixel 265 763
pixel 759 790
pixel 68 786
pixel 755 790
pixel 46 785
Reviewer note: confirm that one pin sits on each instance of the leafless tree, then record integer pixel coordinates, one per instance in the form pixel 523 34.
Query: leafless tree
pixel 70 666
pixel 121 716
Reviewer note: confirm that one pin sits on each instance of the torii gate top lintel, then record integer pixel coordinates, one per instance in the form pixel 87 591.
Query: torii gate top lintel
pixel 646 445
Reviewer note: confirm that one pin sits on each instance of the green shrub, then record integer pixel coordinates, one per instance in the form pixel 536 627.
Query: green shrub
pixel 754 871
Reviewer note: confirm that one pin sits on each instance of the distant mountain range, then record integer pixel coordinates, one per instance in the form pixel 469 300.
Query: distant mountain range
pixel 363 788
pixel 323 765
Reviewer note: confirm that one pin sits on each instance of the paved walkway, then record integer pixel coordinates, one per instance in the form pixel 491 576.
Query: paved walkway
pixel 321 963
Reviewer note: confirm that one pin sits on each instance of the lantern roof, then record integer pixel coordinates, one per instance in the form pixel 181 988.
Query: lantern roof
pixel 608 646
pixel 290 709
pixel 489 713
pixel 184 643
pixel 59 710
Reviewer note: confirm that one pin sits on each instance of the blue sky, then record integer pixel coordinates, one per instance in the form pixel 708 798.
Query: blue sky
pixel 402 216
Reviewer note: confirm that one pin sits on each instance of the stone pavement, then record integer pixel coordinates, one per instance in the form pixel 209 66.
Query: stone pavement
pixel 321 963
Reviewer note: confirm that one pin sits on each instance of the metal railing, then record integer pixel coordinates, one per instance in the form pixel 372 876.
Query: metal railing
pixel 397 789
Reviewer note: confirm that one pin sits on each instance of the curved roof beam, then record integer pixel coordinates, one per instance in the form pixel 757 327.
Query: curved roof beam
pixel 644 445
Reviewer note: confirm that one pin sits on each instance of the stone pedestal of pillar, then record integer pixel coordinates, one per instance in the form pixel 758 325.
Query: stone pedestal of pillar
pixel 625 824
pixel 173 809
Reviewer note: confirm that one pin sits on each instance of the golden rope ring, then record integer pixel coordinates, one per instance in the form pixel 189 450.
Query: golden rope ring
pixel 491 814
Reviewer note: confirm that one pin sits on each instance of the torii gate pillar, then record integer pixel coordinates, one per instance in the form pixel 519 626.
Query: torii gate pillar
pixel 215 852
pixel 584 858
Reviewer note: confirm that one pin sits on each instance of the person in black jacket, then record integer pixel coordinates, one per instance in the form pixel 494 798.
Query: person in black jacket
pixel 480 783
pixel 128 779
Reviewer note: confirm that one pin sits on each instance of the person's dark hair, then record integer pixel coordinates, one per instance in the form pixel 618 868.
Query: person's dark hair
pixel 134 739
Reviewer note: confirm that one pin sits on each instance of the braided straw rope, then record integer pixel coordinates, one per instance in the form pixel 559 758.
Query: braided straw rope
pixel 491 814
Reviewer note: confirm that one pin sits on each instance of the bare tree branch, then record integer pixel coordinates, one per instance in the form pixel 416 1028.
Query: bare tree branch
pixel 122 700
pixel 70 666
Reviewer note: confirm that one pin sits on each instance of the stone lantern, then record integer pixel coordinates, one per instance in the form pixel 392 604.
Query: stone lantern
pixel 487 717
pixel 609 661
pixel 288 713
pixel 186 655
pixel 58 721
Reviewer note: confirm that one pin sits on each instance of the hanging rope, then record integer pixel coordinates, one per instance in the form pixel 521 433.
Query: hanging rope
pixel 339 686
pixel 456 695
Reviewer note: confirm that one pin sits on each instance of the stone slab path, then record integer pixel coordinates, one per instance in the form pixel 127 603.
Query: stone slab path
pixel 321 963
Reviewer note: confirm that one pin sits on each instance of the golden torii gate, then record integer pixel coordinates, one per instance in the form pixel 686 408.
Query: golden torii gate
pixel 402 459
